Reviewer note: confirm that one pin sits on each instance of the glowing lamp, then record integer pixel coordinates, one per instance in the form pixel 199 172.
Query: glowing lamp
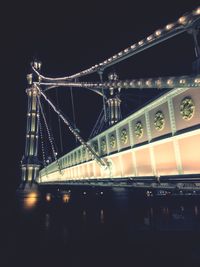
pixel 149 38
pixel 158 33
pixel 169 26
pixel 183 20
pixel 29 78
pixel 39 65
pixel 197 11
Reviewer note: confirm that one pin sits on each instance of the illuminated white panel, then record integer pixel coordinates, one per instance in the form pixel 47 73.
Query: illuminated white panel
pixel 76 172
pixel 72 172
pixel 116 166
pixel 127 162
pixel 165 159
pixel 68 173
pixel 97 170
pixel 143 162
pixel 189 147
pixel 83 171
pixel 90 169
pixel 80 172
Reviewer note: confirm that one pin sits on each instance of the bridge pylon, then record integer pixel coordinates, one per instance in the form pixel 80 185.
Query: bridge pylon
pixel 113 101
pixel 30 163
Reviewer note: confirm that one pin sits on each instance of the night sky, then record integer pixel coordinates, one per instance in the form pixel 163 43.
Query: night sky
pixel 69 37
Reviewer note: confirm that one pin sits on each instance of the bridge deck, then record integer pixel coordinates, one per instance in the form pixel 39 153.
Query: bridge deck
pixel 160 139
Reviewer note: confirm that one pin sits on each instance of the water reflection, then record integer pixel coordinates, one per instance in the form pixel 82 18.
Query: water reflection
pixel 66 198
pixel 48 197
pixel 95 224
pixel 47 221
pixel 84 216
pixel 30 201
pixel 196 212
pixel 102 216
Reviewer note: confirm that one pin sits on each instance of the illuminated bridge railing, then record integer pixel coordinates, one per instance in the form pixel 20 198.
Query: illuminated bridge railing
pixel 162 138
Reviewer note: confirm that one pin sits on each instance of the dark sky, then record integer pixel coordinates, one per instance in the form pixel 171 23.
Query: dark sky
pixel 70 37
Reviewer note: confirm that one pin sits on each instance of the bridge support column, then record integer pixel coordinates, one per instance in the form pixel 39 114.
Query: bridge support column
pixel 113 102
pixel 30 164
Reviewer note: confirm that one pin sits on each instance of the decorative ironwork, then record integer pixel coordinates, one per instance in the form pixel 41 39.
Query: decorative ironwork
pixel 103 145
pixel 72 159
pixel 95 146
pixel 124 136
pixel 79 155
pixel 187 108
pixel 84 153
pixel 159 121
pixel 139 130
pixel 69 160
pixel 113 141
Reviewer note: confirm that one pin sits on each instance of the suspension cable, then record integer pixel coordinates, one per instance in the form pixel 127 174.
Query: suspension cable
pixel 59 123
pixel 102 162
pixel 98 123
pixel 43 150
pixel 104 102
pixel 73 109
pixel 49 136
pixel 184 23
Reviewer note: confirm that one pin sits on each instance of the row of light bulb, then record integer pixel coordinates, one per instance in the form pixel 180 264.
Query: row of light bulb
pixel 183 21
pixel 189 81
pixel 149 83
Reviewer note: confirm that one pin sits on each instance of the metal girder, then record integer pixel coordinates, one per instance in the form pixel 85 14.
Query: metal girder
pixel 160 83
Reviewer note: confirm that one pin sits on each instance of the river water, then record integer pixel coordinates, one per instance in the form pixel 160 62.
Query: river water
pixel 100 228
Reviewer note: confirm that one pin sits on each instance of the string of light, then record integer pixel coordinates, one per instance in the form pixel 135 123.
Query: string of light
pixel 184 23
pixel 43 150
pixel 49 136
pixel 160 82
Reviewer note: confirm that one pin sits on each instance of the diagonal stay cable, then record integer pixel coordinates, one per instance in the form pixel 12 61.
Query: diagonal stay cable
pixel 49 135
pixel 101 161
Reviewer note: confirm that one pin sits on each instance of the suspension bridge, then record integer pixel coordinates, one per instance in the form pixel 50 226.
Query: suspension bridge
pixel 157 145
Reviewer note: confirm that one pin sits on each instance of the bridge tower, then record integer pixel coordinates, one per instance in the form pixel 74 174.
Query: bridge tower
pixel 30 164
pixel 113 101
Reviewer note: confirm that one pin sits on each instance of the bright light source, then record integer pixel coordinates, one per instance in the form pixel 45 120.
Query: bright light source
pixel 169 26
pixel 197 11
pixel 158 33
pixel 183 20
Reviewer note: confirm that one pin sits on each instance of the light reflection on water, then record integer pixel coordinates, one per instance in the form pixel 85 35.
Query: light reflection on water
pixel 102 216
pixel 48 197
pixel 115 224
pixel 66 198
pixel 30 201
pixel 156 216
